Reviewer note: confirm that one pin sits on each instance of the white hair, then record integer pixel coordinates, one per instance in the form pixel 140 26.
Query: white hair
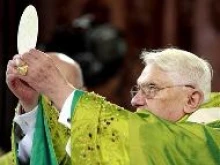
pixel 183 67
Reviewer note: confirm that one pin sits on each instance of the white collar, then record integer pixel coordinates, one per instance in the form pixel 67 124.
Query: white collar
pixel 205 115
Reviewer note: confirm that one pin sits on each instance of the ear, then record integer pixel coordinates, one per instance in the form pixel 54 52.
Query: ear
pixel 193 102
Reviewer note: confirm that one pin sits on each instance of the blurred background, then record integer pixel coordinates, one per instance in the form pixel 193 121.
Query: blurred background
pixel 106 38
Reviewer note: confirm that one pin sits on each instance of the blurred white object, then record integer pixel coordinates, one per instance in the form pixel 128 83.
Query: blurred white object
pixel 83 22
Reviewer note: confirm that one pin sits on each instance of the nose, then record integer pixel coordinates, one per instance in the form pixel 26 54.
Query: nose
pixel 138 100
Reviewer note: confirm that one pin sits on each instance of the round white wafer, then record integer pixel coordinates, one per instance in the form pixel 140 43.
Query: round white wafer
pixel 27 30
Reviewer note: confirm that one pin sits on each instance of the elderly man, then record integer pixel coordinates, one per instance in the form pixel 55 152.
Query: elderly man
pixel 170 89
pixel 27 111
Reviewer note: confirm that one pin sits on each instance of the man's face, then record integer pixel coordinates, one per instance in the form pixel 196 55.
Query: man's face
pixel 159 94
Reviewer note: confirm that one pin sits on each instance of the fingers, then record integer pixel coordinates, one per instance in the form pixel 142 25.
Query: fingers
pixel 12 81
pixel 18 66
pixel 30 62
pixel 27 58
pixel 13 66
pixel 16 56
pixel 32 57
pixel 11 63
pixel 10 69
pixel 10 72
pixel 32 54
pixel 35 52
pixel 13 72
pixel 10 78
pixel 18 60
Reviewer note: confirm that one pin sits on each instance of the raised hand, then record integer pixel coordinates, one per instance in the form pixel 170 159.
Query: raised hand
pixel 45 77
pixel 28 97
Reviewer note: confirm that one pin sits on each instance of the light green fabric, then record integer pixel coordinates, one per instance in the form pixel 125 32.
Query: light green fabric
pixel 14 147
pixel 50 138
pixel 42 148
pixel 103 133
pixel 7 159
pixel 213 102
pixel 59 134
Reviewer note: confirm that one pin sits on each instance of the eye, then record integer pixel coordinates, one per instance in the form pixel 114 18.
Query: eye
pixel 152 87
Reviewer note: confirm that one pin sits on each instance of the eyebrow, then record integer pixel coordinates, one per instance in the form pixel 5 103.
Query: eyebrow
pixel 148 84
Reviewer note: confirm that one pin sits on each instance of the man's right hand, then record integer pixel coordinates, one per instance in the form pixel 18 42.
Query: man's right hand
pixel 45 77
pixel 28 97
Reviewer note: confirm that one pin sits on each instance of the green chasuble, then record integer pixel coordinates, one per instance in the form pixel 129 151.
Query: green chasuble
pixel 106 134
pixel 49 141
pixel 7 159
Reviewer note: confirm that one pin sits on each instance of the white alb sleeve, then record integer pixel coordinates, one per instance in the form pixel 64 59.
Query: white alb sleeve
pixel 65 113
pixel 65 116
pixel 27 123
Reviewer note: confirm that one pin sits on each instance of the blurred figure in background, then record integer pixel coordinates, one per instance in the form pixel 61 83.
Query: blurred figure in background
pixel 93 42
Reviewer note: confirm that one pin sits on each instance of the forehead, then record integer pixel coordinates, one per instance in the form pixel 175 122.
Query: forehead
pixel 153 74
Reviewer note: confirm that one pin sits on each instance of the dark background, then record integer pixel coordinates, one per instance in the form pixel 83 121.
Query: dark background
pixel 192 25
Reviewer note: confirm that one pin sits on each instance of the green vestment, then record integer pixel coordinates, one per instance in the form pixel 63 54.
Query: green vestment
pixel 104 133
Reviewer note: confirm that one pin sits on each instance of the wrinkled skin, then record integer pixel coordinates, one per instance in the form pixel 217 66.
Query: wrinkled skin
pixel 27 96
pixel 42 77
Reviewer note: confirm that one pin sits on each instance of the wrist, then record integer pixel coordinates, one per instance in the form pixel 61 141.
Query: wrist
pixel 27 107
pixel 60 95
